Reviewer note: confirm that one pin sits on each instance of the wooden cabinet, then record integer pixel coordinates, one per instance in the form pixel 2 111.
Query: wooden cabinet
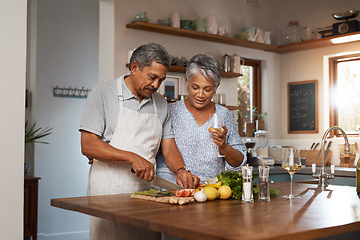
pixel 30 206
pixel 317 43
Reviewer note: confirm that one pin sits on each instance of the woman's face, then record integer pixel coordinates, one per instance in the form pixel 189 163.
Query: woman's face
pixel 200 91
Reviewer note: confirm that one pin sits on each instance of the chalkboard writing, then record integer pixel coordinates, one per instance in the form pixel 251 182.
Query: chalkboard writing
pixel 302 107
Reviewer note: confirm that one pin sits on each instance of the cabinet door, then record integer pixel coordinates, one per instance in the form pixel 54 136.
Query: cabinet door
pixel 30 207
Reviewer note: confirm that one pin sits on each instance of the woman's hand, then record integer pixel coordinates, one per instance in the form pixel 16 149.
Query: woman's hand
pixel 186 179
pixel 219 137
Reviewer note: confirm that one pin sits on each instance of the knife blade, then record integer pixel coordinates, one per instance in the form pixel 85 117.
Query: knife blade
pixel 163 183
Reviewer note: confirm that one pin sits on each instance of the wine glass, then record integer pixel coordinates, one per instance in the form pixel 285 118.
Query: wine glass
pixel 216 122
pixel 291 163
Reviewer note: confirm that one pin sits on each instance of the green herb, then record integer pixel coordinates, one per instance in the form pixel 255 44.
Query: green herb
pixel 155 193
pixel 235 181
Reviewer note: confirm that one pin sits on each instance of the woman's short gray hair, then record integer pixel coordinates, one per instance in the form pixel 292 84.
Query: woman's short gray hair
pixel 206 65
pixel 146 54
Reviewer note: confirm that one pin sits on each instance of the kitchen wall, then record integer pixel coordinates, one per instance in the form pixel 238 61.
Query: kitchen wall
pixel 311 65
pixel 67 43
pixel 12 99
pixel 66 55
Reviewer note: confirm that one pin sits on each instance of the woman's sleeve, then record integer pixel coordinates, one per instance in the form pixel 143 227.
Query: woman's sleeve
pixel 233 139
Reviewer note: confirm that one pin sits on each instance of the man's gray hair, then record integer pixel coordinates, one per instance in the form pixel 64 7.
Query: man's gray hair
pixel 206 65
pixel 146 54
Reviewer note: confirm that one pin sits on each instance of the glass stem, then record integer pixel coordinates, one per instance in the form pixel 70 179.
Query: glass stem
pixel 291 184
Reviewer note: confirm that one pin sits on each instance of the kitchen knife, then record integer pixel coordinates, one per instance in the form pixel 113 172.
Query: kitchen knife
pixel 163 183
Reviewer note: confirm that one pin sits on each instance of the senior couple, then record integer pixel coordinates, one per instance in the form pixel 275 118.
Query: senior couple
pixel 127 124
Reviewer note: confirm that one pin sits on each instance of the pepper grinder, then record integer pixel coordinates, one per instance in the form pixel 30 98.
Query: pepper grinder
pixel 264 194
pixel 247 195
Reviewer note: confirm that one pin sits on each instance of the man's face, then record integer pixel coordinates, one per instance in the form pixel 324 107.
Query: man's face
pixel 147 81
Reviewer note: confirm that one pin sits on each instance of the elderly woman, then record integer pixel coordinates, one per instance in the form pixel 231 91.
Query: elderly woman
pixel 191 124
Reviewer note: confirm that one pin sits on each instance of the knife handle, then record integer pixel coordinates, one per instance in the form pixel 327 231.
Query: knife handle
pixel 316 146
pixel 312 145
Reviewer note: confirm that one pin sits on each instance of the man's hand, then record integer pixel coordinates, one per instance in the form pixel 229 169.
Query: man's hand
pixel 186 179
pixel 143 168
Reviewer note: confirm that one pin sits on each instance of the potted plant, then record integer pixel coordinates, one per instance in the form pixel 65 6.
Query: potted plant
pixel 258 118
pixel 34 135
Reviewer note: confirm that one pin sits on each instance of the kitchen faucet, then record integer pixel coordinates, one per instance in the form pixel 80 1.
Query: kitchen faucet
pixel 323 176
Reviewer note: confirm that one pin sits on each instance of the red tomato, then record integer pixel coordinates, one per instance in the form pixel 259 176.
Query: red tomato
pixel 185 192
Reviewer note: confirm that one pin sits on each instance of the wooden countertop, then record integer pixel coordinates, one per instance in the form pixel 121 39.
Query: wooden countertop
pixel 318 213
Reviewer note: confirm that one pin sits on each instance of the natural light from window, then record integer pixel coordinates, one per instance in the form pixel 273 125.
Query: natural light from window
pixel 348 95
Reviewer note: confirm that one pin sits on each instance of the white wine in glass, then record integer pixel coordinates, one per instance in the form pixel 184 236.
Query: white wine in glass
pixel 291 163
pixel 216 122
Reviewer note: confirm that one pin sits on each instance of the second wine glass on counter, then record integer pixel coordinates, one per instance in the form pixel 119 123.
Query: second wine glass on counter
pixel 291 163
pixel 216 122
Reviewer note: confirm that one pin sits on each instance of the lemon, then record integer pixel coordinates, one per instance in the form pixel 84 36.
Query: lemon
pixel 211 193
pixel 225 192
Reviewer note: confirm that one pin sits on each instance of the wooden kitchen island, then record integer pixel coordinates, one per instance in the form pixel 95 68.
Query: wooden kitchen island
pixel 318 213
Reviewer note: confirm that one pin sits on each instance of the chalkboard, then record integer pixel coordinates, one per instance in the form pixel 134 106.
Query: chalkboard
pixel 303 107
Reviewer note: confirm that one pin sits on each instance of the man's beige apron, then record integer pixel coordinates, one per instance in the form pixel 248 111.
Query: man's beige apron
pixel 134 132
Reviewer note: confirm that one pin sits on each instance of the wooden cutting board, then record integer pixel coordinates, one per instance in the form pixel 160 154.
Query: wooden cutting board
pixel 167 199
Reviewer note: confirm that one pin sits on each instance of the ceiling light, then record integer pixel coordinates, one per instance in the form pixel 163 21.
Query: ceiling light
pixel 351 38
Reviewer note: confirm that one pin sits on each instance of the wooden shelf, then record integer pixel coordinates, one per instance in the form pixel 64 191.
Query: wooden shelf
pixel 318 43
pixel 199 35
pixel 178 69
pixel 234 107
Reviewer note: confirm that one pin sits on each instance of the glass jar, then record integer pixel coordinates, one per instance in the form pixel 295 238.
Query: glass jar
pixel 293 32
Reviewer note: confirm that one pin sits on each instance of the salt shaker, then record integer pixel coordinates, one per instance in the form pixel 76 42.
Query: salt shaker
pixel 247 195
pixel 264 194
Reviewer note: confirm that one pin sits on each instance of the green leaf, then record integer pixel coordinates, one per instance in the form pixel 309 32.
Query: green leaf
pixel 33 134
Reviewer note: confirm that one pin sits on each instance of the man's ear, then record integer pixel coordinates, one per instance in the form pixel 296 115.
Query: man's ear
pixel 134 66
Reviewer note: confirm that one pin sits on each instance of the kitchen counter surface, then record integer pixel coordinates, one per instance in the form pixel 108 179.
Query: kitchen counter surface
pixel 306 170
pixel 318 213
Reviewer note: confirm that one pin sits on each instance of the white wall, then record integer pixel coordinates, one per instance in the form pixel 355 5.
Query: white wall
pixel 66 56
pixel 12 105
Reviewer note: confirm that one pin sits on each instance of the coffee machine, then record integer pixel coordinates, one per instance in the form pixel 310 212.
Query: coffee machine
pixel 251 151
pixel 262 150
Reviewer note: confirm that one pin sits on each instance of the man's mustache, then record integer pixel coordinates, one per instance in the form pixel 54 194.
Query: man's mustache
pixel 151 88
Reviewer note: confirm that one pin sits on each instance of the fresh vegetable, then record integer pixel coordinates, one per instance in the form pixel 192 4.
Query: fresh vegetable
pixel 200 196
pixel 225 192
pixel 211 192
pixel 234 181
pixel 155 193
pixel 215 185
pixel 184 192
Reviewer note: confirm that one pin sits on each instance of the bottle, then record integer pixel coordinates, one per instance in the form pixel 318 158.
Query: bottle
pixel 175 19
pixel 264 193
pixel 247 194
pixel 293 32
pixel 358 177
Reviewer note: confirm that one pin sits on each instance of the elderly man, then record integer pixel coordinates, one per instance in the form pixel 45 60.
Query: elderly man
pixel 124 123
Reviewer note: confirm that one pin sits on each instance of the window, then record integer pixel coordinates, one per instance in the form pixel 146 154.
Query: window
pixel 249 88
pixel 345 93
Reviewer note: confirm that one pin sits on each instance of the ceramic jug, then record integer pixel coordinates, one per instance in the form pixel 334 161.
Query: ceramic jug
pixel 259 35
pixel 251 33
pixel 175 19
pixel 212 25
pixel 267 39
